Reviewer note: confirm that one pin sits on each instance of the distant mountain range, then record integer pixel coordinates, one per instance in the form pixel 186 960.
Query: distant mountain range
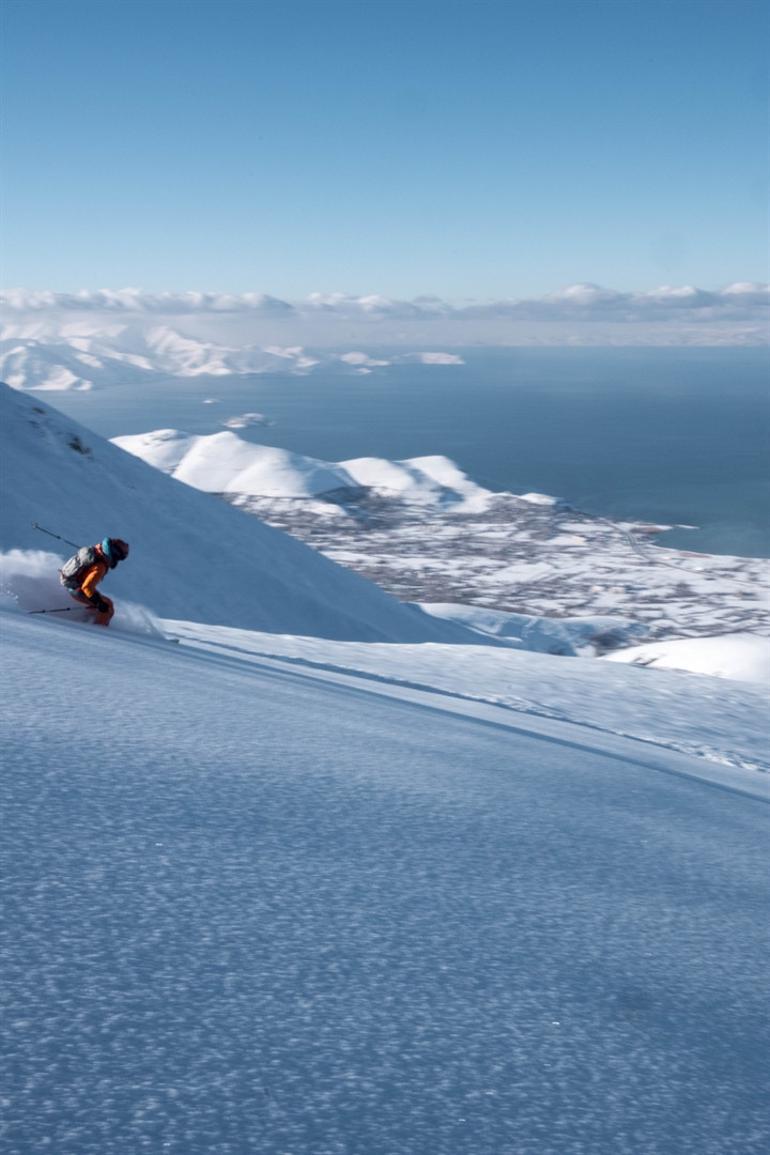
pixel 39 355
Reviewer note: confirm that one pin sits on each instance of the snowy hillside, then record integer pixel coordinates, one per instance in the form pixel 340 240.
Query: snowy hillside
pixel 722 724
pixel 225 463
pixel 745 657
pixel 267 906
pixel 192 556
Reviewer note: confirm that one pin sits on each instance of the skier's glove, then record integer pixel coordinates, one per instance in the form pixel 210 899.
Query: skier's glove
pixel 101 605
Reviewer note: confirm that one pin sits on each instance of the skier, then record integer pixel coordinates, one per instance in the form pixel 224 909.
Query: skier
pixel 82 573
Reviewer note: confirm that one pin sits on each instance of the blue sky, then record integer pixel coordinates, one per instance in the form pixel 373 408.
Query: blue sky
pixel 469 150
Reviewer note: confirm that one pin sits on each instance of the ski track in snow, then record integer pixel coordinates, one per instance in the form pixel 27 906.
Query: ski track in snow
pixel 253 909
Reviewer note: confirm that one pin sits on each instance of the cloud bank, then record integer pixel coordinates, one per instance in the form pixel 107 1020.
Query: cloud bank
pixel 140 301
pixel 581 314
pixel 743 300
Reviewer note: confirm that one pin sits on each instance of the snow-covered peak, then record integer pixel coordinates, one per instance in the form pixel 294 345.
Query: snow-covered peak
pixel 162 448
pixel 224 463
pixel 432 480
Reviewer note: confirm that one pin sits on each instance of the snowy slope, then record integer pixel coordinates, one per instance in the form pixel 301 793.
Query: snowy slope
pixel 251 909
pixel 744 657
pixel 723 724
pixel 192 556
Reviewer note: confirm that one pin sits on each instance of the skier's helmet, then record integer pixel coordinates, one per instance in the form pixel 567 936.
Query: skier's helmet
pixel 115 550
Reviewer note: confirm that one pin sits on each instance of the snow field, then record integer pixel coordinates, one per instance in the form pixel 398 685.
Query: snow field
pixel 249 909
pixel 724 724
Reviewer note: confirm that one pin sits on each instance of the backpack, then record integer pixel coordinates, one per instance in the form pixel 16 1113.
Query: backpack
pixel 72 572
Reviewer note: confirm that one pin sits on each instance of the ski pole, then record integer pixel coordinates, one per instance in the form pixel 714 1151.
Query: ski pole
pixel 63 610
pixel 56 535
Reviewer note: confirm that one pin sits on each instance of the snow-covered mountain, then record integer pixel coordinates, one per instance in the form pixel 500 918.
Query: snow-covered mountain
pixel 192 556
pixel 225 463
pixel 92 353
pixel 79 357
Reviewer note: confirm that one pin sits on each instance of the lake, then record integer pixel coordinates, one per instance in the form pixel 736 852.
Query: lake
pixel 670 435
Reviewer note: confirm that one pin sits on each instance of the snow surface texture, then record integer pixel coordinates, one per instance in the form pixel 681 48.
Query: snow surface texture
pixel 251 909
pixel 427 533
pixel 725 724
pixel 192 556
